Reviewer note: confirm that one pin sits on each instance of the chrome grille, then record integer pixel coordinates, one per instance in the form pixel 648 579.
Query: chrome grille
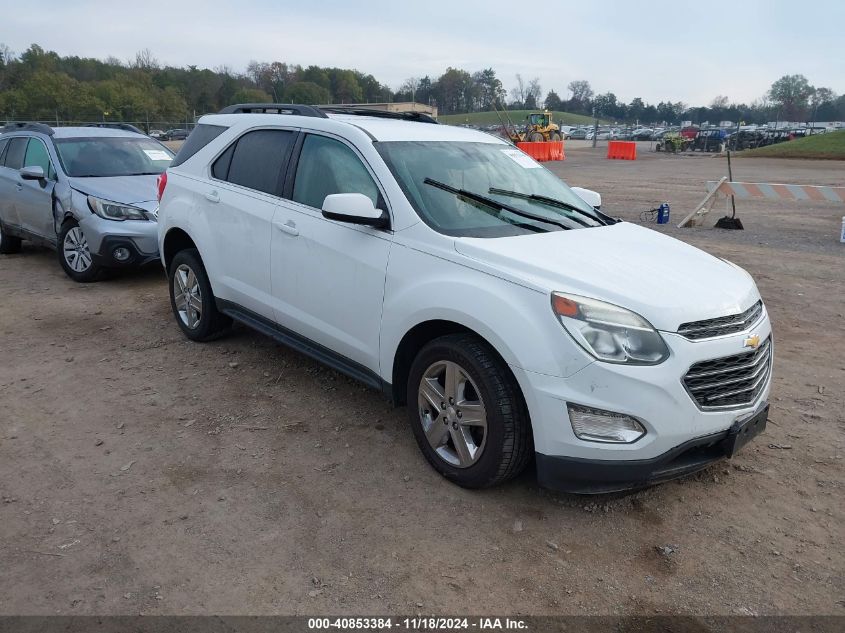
pixel 731 381
pixel 721 326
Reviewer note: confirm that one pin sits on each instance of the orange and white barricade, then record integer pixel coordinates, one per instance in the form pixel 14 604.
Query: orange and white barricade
pixel 770 191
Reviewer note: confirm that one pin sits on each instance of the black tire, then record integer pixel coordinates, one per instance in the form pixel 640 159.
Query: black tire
pixel 211 323
pixel 508 445
pixel 555 137
pixel 87 275
pixel 535 137
pixel 8 244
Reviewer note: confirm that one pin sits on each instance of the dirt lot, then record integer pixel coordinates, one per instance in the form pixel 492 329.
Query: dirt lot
pixel 143 473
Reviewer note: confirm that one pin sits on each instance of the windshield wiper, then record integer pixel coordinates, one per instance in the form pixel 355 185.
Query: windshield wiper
pixel 493 204
pixel 560 204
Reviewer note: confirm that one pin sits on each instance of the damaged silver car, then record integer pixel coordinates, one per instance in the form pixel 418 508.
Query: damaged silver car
pixel 89 193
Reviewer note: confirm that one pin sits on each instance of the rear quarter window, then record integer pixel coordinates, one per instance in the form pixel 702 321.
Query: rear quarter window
pixel 201 136
pixel 3 143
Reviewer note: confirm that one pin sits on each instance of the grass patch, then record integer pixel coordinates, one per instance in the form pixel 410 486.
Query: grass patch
pixel 517 116
pixel 830 146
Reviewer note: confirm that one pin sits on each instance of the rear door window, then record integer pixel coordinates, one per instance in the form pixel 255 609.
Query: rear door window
pixel 257 160
pixel 15 152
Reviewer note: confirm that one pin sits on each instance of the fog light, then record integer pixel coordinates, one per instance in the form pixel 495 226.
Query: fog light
pixel 597 425
pixel 121 254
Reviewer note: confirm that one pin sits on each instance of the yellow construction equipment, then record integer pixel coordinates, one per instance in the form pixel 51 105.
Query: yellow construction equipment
pixel 538 127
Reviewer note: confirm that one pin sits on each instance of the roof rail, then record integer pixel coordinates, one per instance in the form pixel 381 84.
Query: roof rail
pixel 29 127
pixel 420 117
pixel 273 108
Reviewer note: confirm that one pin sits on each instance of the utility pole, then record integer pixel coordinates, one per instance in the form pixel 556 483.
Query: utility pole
pixel 595 126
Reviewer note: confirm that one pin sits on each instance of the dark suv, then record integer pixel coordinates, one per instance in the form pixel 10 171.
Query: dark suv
pixel 175 135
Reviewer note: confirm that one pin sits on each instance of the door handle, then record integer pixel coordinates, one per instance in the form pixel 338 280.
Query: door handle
pixel 289 227
pixel 19 186
pixel 212 196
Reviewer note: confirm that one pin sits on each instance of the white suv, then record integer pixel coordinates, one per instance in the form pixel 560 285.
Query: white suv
pixel 448 269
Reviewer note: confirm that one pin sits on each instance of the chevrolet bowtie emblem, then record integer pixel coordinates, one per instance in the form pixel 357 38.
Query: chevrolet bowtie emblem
pixel 752 341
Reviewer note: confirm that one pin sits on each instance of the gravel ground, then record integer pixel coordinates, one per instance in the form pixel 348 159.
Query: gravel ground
pixel 140 473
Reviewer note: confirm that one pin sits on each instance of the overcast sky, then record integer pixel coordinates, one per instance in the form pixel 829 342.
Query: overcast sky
pixel 658 50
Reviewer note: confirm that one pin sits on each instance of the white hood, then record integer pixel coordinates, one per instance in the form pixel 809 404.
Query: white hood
pixel 663 279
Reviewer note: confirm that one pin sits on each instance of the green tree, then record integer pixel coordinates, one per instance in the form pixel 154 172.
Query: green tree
pixel 371 90
pixel 251 95
pixel 636 109
pixel 307 93
pixel 454 91
pixel 316 75
pixel 344 86
pixel 606 104
pixel 582 96
pixel 488 88
pixel 553 101
pixel 791 93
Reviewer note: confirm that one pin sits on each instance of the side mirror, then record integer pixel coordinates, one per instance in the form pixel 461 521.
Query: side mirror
pixel 32 173
pixel 355 208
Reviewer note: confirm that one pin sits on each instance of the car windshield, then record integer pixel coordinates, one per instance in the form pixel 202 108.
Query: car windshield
pixel 112 156
pixel 502 174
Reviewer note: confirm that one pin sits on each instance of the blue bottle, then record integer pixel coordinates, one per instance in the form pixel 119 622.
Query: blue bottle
pixel 663 213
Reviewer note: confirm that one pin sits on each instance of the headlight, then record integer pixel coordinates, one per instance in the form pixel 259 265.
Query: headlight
pixel 115 210
pixel 608 332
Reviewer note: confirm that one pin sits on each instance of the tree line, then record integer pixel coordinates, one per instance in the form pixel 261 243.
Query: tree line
pixel 42 85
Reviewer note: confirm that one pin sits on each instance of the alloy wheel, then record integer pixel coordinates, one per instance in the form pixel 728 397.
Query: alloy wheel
pixel 75 250
pixel 452 413
pixel 187 295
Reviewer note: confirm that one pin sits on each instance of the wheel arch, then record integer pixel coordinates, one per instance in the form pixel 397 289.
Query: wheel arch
pixel 175 240
pixel 416 338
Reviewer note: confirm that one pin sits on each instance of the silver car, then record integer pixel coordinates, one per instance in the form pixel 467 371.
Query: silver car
pixel 90 193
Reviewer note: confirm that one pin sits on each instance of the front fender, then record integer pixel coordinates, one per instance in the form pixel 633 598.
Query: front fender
pixel 517 321
pixel 62 204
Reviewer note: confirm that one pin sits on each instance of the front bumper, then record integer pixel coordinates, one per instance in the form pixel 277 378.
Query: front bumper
pixel 593 476
pixel 104 236
pixel 655 396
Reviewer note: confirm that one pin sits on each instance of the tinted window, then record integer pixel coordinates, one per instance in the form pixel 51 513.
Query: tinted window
pixel 201 136
pixel 220 168
pixel 3 143
pixel 37 156
pixel 327 166
pixel 15 152
pixel 258 159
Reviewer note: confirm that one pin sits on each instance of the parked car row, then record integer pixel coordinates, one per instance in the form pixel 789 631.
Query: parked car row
pixel 437 264
pixel 749 139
